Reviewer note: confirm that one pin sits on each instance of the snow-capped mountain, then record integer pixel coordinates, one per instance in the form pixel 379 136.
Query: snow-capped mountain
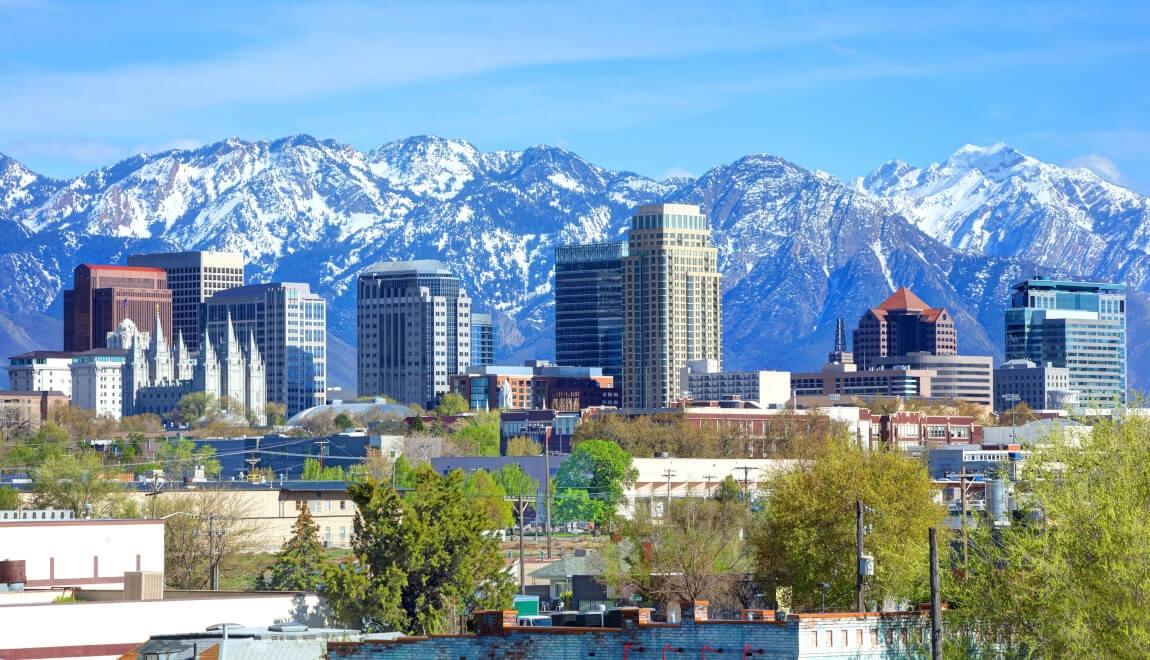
pixel 997 201
pixel 797 247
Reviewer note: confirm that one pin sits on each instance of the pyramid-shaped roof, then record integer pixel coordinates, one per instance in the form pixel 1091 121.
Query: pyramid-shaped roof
pixel 901 299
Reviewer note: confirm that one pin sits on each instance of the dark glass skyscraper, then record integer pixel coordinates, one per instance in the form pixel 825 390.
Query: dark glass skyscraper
pixel 589 306
pixel 1077 325
pixel 482 340
pixel 414 330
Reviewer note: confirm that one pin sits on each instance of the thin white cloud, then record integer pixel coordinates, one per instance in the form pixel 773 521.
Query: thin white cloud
pixel 1100 165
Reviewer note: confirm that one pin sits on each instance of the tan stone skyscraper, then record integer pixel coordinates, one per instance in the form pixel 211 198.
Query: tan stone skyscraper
pixel 672 300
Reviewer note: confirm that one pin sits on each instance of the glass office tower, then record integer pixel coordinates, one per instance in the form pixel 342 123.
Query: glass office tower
pixel 1077 325
pixel 589 306
pixel 482 340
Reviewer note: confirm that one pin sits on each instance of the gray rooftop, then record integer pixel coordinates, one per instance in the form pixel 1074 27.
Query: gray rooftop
pixel 422 266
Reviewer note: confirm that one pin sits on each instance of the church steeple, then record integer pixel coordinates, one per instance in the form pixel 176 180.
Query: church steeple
pixel 840 355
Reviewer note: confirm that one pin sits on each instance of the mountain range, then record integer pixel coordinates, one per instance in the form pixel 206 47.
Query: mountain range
pixel 798 248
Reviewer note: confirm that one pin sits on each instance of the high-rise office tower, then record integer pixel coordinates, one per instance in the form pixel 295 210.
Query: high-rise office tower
pixel 589 306
pixel 482 340
pixel 193 277
pixel 672 302
pixel 101 296
pixel 903 324
pixel 414 330
pixel 289 325
pixel 1077 325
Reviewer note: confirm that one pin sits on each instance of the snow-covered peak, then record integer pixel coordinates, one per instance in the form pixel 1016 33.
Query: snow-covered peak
pixel 427 165
pixel 995 200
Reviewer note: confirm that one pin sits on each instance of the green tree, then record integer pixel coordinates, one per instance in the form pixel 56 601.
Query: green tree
pixel 313 470
pixel 729 490
pixel 76 482
pixel 203 525
pixel 343 421
pixel 695 551
pixel 181 456
pixel 806 533
pixel 49 441
pixel 488 495
pixel 515 481
pixel 602 471
pixel 451 404
pixel 418 559
pixel 478 435
pixel 1068 580
pixel 299 565
pixel 9 498
pixel 194 406
pixel 276 413
pixel 523 446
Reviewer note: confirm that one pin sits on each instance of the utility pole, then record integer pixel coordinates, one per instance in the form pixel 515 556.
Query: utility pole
pixel 962 497
pixel 707 492
pixel 547 484
pixel 215 567
pixel 859 605
pixel 746 482
pixel 322 442
pixel 668 473
pixel 935 600
pixel 522 570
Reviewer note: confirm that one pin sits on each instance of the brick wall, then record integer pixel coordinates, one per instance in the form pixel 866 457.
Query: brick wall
pixel 892 635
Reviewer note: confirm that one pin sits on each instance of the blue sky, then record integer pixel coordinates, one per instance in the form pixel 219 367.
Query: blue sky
pixel 658 88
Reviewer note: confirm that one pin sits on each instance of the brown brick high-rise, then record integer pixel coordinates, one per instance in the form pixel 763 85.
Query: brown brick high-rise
pixel 903 324
pixel 102 296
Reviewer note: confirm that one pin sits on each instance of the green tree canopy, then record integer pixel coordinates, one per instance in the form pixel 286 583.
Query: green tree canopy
pixel 487 495
pixel 1068 580
pixel 313 470
pixel 524 446
pixel 9 498
pixel 77 481
pixel 418 559
pixel 515 481
pixel 478 435
pixel 603 471
pixel 194 406
pixel 181 456
pixel 695 551
pixel 299 565
pixel 451 404
pixel 806 532
pixel 729 490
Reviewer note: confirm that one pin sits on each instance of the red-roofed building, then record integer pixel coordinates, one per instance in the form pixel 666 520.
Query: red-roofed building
pixel 102 296
pixel 903 324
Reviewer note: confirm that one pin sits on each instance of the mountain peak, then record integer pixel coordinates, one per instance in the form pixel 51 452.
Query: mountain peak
pixel 988 159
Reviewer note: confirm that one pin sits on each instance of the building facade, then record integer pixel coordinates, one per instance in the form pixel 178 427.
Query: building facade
pixel 536 385
pixel 41 371
pixel 903 324
pixel 482 340
pixel 956 377
pixel 235 369
pixel 1043 387
pixel 413 329
pixel 289 325
pixel 98 381
pixel 155 375
pixel 192 278
pixel 1080 326
pixel 702 381
pixel 101 296
pixel 28 410
pixel 589 306
pixel 672 302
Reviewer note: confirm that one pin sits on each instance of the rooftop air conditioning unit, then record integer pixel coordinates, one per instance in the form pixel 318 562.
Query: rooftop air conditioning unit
pixel 143 585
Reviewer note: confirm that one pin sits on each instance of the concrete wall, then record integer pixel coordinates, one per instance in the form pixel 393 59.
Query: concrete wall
pixel 83 552
pixel 110 629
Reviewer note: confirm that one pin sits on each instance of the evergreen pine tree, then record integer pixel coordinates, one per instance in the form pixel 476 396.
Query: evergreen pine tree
pixel 299 564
